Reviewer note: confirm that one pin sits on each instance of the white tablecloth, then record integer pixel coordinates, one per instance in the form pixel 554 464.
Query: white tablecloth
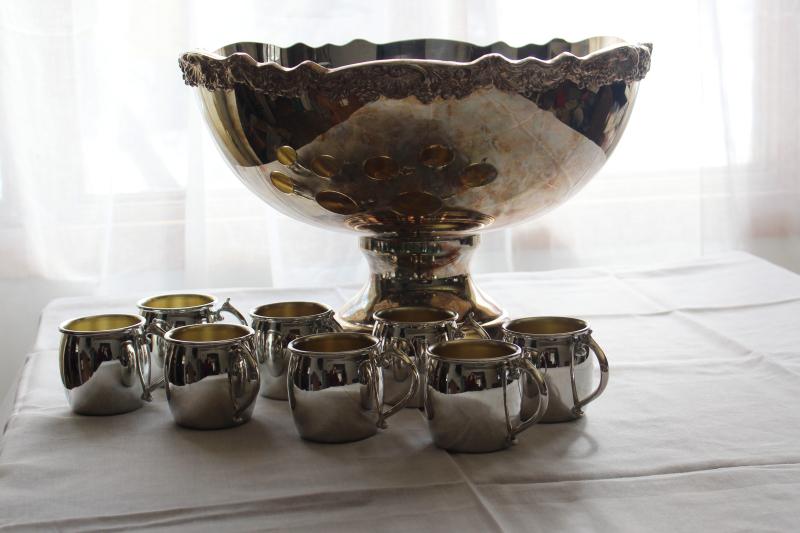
pixel 699 429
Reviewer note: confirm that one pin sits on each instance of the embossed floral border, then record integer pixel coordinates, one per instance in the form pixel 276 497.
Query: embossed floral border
pixel 425 79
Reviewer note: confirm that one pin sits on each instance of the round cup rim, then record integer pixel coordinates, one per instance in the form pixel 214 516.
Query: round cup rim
pixel 455 316
pixel 64 329
pixel 506 327
pixel 303 318
pixel 333 355
pixel 248 333
pixel 516 352
pixel 142 306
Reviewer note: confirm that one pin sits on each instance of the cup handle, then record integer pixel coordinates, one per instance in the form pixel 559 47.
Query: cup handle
pixel 394 351
pixel 469 323
pixel 526 366
pixel 372 371
pixel 227 307
pixel 133 355
pixel 577 409
pixel 243 352
pixel 159 328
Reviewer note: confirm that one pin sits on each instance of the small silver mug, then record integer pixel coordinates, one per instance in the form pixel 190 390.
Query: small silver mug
pixel 560 347
pixel 211 374
pixel 278 324
pixel 473 394
pixel 104 364
pixel 411 330
pixel 176 310
pixel 336 386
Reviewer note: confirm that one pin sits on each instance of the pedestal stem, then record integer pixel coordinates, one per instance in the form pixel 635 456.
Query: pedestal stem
pixel 427 271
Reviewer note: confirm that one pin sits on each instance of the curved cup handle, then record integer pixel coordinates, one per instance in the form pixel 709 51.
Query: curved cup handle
pixel 396 352
pixel 157 328
pixel 525 365
pixel 227 307
pixel 133 356
pixel 469 324
pixel 372 373
pixel 334 326
pixel 577 409
pixel 243 352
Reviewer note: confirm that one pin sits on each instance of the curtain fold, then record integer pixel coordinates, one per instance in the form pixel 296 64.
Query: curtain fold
pixel 109 177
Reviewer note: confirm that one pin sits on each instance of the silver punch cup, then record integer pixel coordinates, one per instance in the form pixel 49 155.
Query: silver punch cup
pixel 176 310
pixel 336 386
pixel 473 394
pixel 104 364
pixel 560 347
pixel 276 325
pixel 412 330
pixel 211 374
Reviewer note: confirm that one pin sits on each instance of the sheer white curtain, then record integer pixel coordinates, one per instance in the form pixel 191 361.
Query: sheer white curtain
pixel 109 181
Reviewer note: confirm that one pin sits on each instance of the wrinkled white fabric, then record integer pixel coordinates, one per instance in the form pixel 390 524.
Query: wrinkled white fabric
pixel 697 431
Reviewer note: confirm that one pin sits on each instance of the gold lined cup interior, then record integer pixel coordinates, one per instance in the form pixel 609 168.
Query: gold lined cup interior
pixel 290 310
pixel 177 301
pixel 546 325
pixel 100 323
pixel 208 333
pixel 473 349
pixel 334 343
pixel 415 314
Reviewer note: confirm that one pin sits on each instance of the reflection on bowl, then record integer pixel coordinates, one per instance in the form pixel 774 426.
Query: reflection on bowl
pixel 418 145
pixel 402 134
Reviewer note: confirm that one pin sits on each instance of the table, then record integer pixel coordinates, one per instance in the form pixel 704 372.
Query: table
pixel 699 429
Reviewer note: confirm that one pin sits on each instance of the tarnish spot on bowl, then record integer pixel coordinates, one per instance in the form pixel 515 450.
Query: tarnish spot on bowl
pixel 325 166
pixel 478 174
pixel 381 168
pixel 415 203
pixel 336 202
pixel 436 156
pixel 286 155
pixel 282 182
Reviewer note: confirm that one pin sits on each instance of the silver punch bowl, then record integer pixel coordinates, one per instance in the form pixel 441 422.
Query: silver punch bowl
pixel 418 145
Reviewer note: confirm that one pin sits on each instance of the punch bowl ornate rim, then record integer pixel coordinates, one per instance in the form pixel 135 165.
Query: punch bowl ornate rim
pixel 417 145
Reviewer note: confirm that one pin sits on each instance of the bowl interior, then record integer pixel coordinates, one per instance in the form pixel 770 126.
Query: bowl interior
pixel 360 51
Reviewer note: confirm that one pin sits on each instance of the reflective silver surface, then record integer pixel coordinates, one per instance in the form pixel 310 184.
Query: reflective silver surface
pixel 336 386
pixel 411 330
pixel 104 364
pixel 211 374
pixel 176 310
pixel 278 324
pixel 418 144
pixel 429 271
pixel 559 347
pixel 474 394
